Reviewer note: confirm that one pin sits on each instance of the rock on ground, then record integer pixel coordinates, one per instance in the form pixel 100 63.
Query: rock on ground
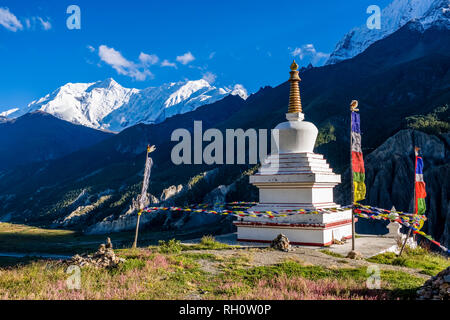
pixel 436 288
pixel 281 242
pixel 355 255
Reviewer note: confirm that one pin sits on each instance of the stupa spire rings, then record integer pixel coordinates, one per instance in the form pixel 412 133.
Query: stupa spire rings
pixel 295 103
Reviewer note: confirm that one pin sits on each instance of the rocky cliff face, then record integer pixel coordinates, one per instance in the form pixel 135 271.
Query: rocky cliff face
pixel 390 178
pixel 200 187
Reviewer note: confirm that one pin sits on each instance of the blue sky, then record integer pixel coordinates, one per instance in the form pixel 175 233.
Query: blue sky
pixel 147 43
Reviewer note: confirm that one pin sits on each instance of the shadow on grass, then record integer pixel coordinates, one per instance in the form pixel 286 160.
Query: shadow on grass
pixel 8 262
pixel 24 239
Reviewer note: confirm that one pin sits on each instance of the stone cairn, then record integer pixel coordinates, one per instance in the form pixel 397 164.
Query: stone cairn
pixel 356 255
pixel 281 242
pixel 103 258
pixel 436 288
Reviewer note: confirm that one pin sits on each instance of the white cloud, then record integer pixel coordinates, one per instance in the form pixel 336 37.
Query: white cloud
pixel 9 20
pixel 124 67
pixel 186 58
pixel 308 50
pixel 210 77
pixel 46 25
pixel 12 23
pixel 212 54
pixel 90 48
pixel 148 59
pixel 167 63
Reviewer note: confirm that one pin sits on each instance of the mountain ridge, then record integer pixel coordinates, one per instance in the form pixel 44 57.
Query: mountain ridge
pixel 39 136
pixel 398 13
pixel 107 105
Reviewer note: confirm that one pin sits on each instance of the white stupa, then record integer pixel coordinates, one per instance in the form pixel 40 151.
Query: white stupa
pixel 296 178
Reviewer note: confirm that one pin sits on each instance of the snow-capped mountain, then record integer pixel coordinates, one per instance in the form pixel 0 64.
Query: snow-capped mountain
pixel 108 105
pixel 394 16
pixel 6 113
pixel 155 104
pixel 84 103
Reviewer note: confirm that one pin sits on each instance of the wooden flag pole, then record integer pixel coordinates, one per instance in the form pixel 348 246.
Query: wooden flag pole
pixel 137 230
pixel 404 243
pixel 149 150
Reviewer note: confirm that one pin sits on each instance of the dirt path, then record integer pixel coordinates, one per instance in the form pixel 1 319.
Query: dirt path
pixel 265 257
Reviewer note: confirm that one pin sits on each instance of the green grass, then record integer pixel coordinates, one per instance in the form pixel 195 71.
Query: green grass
pixel 199 256
pixel 171 246
pixel 207 243
pixel 151 274
pixel 331 253
pixel 176 271
pixel 427 262
pixel 394 284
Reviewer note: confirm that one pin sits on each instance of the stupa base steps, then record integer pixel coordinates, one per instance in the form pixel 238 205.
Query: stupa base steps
pixel 301 229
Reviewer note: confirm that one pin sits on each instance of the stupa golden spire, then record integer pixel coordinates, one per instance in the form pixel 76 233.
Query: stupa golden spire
pixel 295 104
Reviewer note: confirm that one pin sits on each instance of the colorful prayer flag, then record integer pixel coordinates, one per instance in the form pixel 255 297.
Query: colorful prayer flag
pixel 359 174
pixel 419 185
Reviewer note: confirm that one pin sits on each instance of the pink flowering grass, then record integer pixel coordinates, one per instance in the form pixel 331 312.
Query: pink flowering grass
pixel 298 288
pixel 41 280
pixel 158 261
pixel 149 274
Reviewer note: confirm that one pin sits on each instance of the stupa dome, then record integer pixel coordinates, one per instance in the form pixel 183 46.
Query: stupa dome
pixel 295 135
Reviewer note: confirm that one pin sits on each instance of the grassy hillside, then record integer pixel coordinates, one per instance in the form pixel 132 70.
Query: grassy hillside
pixel 210 270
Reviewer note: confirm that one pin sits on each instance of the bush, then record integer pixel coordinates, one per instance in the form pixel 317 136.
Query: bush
pixel 128 265
pixel 208 240
pixel 209 243
pixel 171 246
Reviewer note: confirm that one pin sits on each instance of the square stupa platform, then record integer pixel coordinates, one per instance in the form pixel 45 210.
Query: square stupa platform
pixel 290 181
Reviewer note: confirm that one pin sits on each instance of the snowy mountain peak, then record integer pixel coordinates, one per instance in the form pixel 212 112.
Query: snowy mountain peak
pixel 398 13
pixel 437 15
pixel 84 103
pixel 107 105
pixel 6 113
pixel 107 83
pixel 186 90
